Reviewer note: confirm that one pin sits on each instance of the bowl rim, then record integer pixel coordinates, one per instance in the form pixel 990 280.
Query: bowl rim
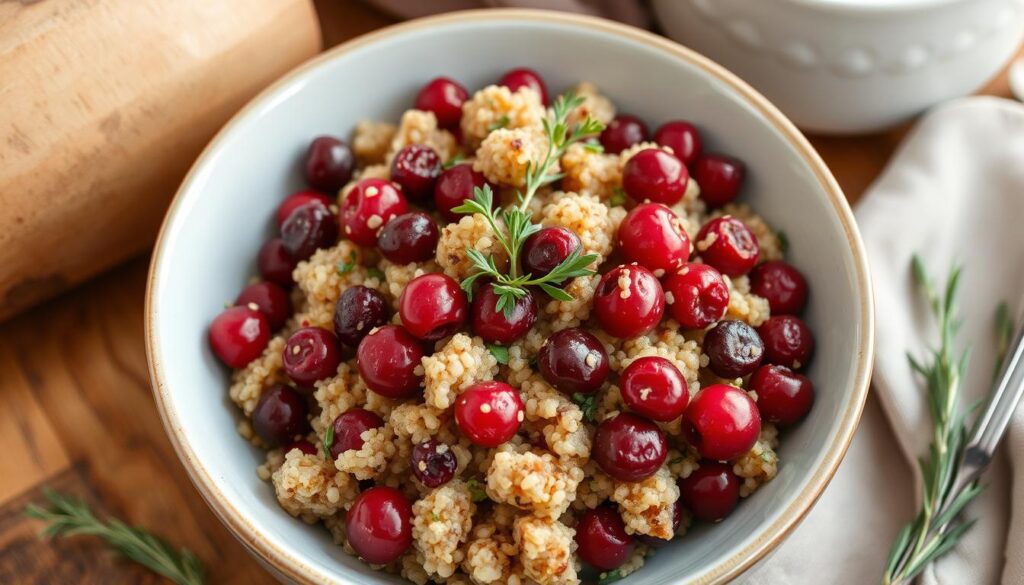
pixel 298 570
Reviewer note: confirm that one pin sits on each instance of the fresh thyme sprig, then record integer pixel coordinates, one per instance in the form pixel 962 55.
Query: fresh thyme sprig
pixel 70 517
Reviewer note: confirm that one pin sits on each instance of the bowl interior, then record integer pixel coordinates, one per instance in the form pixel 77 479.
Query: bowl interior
pixel 224 212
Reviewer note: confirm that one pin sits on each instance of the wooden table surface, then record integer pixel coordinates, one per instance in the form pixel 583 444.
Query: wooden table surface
pixel 76 412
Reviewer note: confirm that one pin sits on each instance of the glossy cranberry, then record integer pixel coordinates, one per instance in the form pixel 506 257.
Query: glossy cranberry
pixel 415 169
pixel 720 178
pixel 524 77
pixel 783 396
pixel 304 446
pixel 629 301
pixel 239 335
pixel 782 285
pixel 683 138
pixel 728 244
pixel 268 298
pixel 329 163
pixel 357 312
pixel 572 361
pixel 489 413
pixel 433 306
pixel 711 492
pixel 369 205
pixel 734 349
pixel 655 175
pixel 296 200
pixel 677 521
pixel 311 354
pixel 410 237
pixel 280 415
pixel 602 538
pixel 629 447
pixel 309 227
pixel 275 264
pixel 495 326
pixel 349 427
pixel 388 360
pixel 651 386
pixel 787 341
pixel 378 526
pixel 444 97
pixel 546 249
pixel 700 296
pixel 454 187
pixel 433 463
pixel 653 236
pixel 623 132
pixel 722 422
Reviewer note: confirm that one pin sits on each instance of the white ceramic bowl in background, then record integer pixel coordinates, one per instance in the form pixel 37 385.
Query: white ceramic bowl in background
pixel 223 213
pixel 850 66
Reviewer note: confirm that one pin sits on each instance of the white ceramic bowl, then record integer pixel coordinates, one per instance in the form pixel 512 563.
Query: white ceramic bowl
pixel 847 66
pixel 223 212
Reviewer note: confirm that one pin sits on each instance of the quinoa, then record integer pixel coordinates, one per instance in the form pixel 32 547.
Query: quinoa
pixel 534 480
pixel 594 105
pixel 745 305
pixel 248 383
pixel 591 173
pixel 760 464
pixel 308 487
pixel 587 217
pixel 546 550
pixel 495 107
pixel 459 363
pixel 472 231
pixel 647 506
pixel 419 127
pixel 371 141
pixel 441 523
pixel 506 153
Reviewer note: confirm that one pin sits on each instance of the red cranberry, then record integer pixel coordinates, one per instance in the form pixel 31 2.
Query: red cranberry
pixel 379 525
pixel 369 205
pixel 296 200
pixel 622 132
pixel 629 301
pixel 309 227
pixel 653 387
pixel 546 249
pixel 304 446
pixel 524 77
pixel 239 335
pixel 388 360
pixel 433 463
pixel 495 326
pixel 728 244
pixel 655 175
pixel 677 521
pixel 268 298
pixel 280 415
pixel 311 354
pixel 699 295
pixel 349 427
pixel 782 285
pixel 329 164
pixel 411 237
pixel 573 360
pixel 489 413
pixel 734 349
pixel 720 178
pixel 711 492
pixel 454 187
pixel 628 447
pixel 602 538
pixel 783 396
pixel 653 236
pixel 358 311
pixel 275 264
pixel 682 137
pixel 416 168
pixel 433 306
pixel 444 97
pixel 787 341
pixel 722 422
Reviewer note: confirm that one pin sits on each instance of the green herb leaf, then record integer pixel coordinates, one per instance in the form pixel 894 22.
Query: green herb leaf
pixel 500 353
pixel 458 158
pixel 476 490
pixel 783 241
pixel 346 267
pixel 618 198
pixel 1004 335
pixel 501 122
pixel 555 292
pixel 328 441
pixel 587 403
pixel 375 273
pixel 594 147
pixel 609 577
pixel 434 517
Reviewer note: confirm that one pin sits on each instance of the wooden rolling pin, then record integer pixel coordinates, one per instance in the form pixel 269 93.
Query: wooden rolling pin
pixel 104 105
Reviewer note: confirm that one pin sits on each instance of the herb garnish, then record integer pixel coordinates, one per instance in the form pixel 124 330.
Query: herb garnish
pixel 587 403
pixel 476 491
pixel 499 123
pixel 609 577
pixel 500 353
pixel 328 441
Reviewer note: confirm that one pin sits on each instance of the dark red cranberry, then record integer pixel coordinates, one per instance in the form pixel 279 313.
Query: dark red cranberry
pixel 572 361
pixel 495 326
pixel 358 311
pixel 722 422
pixel 711 492
pixel 304 446
pixel 389 362
pixel 682 137
pixel 677 521
pixel 728 244
pixel 280 415
pixel 444 97
pixel 734 349
pixel 787 341
pixel 329 164
pixel 309 227
pixel 311 354
pixel 653 387
pixel 415 169
pixel 489 413
pixel 433 463
pixel 700 296
pixel 655 175
pixel 378 526
pixel 433 306
pixel 783 396
pixel 629 301
pixel 296 200
pixel 524 77
pixel 720 178
pixel 369 205
pixel 268 298
pixel 239 335
pixel 546 249
pixel 653 236
pixel 629 447
pixel 349 427
pixel 602 538
pixel 622 132
pixel 410 237
pixel 782 285
pixel 275 264
pixel 454 187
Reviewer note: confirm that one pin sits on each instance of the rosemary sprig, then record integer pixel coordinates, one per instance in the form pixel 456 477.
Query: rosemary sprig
pixel 70 517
